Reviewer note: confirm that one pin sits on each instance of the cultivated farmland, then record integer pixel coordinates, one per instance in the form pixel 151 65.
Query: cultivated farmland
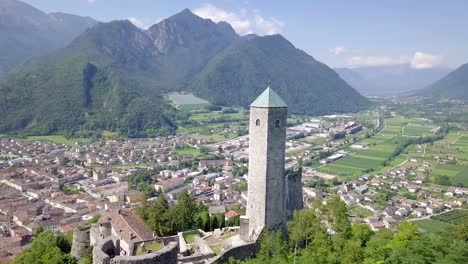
pixel 382 145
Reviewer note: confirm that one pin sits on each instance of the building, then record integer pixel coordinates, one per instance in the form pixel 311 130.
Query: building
pixel 128 227
pixel 169 185
pixel 268 193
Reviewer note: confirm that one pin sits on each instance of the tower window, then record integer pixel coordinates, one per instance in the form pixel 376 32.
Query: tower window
pixel 257 123
pixel 277 123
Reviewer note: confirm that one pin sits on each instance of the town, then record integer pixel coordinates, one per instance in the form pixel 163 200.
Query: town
pixel 57 187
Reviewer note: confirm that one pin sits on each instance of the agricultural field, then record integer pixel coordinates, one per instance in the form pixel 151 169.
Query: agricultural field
pixel 454 217
pixel 187 101
pixel 363 161
pixel 439 223
pixel 433 226
pixel 214 126
pixel 416 130
pixel 448 157
pixel 382 145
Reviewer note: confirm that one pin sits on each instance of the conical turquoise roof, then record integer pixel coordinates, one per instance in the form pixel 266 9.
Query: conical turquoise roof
pixel 269 98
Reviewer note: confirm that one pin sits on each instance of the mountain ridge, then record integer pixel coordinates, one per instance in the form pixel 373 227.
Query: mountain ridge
pixel 452 86
pixel 113 77
pixel 390 80
pixel 26 32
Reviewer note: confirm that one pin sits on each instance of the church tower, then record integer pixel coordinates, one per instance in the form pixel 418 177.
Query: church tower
pixel 267 194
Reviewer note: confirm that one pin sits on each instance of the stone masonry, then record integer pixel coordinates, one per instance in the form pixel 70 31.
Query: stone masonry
pixel 266 205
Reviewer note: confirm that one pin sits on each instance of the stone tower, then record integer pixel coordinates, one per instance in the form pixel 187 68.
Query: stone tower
pixel 266 205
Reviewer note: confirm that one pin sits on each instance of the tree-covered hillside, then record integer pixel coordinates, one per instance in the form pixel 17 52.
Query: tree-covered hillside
pixel 106 79
pixel 240 73
pixel 452 86
pixel 309 242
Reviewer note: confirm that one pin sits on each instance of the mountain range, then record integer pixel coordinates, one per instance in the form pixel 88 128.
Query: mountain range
pixel 390 80
pixel 26 32
pixel 114 75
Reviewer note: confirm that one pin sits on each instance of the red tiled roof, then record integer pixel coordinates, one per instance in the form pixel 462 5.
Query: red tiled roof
pixel 231 214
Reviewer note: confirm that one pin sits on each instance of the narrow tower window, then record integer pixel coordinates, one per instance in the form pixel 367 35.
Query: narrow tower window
pixel 277 123
pixel 257 123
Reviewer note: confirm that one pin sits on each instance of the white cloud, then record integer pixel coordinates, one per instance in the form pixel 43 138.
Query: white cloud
pixel 419 60
pixel 371 61
pixel 91 1
pixel 244 22
pixel 139 22
pixel 422 60
pixel 337 50
pixel 144 23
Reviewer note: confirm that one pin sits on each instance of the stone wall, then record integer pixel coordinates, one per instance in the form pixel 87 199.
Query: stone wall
pixel 294 192
pixel 167 255
pixel 244 228
pixel 105 250
pixel 200 251
pixel 239 253
pixel 99 231
pixel 81 241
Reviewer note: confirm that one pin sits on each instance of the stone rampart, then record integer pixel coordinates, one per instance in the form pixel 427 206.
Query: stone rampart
pixel 239 253
pixel 81 241
pixel 167 255
pixel 105 250
pixel 294 192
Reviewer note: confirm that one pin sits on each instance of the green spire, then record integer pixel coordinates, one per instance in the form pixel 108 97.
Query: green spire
pixel 269 99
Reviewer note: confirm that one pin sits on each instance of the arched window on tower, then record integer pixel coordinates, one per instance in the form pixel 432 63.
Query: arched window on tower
pixel 257 123
pixel 277 123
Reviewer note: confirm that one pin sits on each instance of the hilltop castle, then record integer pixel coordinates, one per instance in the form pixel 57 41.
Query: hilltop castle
pixel 273 195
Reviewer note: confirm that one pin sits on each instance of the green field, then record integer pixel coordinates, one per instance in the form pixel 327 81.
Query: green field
pixel 433 226
pixel 209 116
pixel 454 148
pixel 59 139
pixel 314 140
pixel 358 211
pixel 214 126
pixel 454 217
pixel 371 158
pixel 187 101
pixel 382 145
pixel 187 150
pixel 416 130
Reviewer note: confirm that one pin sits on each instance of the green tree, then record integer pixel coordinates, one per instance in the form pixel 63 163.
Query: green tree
pixel 47 248
pixel 341 223
pixel 406 232
pixel 37 231
pixel 273 248
pixel 362 232
pixel 352 252
pixel 304 227
pixel 377 249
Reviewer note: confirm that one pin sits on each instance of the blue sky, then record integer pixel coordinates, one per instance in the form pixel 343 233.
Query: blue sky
pixel 345 33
